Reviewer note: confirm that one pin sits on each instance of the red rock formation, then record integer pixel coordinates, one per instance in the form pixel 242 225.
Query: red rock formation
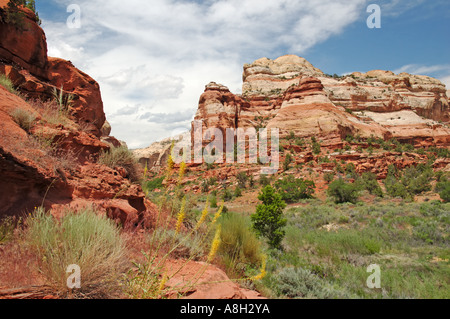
pixel 290 94
pixel 53 164
pixel 28 49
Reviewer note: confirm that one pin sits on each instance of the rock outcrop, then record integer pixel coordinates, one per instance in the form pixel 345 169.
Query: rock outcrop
pixel 290 94
pixel 51 161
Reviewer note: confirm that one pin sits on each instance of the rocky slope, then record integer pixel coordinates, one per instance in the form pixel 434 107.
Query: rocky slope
pixel 292 95
pixel 54 161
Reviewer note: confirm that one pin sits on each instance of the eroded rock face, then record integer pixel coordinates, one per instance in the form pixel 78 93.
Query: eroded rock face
pixel 23 56
pixel 292 95
pixel 25 48
pixel 53 163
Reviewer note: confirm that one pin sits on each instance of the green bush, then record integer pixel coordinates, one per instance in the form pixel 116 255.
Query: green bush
pixel 302 283
pixel 6 229
pixel 445 192
pixel 264 180
pixel 213 200
pixel 227 195
pixel 237 192
pixel 83 238
pixel 411 181
pixel 151 185
pixel 369 182
pixel 121 157
pixel 240 247
pixel 287 161
pixel 242 179
pixel 16 17
pixel 268 221
pixel 343 192
pixel 329 177
pixel 293 189
pixel 316 147
pixel 428 231
pixel 23 118
pixel 7 84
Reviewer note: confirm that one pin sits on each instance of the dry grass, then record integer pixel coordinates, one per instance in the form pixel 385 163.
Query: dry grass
pixel 80 238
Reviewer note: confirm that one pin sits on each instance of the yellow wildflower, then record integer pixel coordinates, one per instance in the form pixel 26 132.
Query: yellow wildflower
pixel 263 270
pixel 162 285
pixel 182 171
pixel 215 244
pixel 217 215
pixel 203 217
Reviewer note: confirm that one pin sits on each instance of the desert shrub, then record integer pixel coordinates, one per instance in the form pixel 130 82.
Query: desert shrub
pixel 264 180
pixel 83 238
pixel 151 185
pixel 212 181
pixel 23 118
pixel 302 283
pixel 396 189
pixel 213 199
pixel 343 192
pixel 410 182
pixel 240 247
pixel 316 147
pixel 440 152
pixel 428 231
pixel 293 189
pixel 417 179
pixel 7 84
pixel 237 192
pixel 368 181
pixel 121 157
pixel 329 177
pixel 227 195
pixel 7 226
pixel 350 169
pixel 205 186
pixel 242 179
pixel 268 221
pixel 193 248
pixel 444 190
pixel 251 181
pixel 287 161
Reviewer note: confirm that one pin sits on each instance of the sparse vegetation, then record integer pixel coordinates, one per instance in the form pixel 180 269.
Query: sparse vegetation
pixel 7 84
pixel 240 249
pixel 81 238
pixel 343 192
pixel 121 157
pixel 23 118
pixel 294 189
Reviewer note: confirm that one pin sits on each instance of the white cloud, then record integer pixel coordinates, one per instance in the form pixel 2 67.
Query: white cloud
pixel 446 81
pixel 440 72
pixel 155 57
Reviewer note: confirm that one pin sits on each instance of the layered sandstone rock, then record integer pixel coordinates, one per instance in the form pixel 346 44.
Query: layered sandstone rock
pixel 29 51
pixel 53 162
pixel 292 95
pixel 23 58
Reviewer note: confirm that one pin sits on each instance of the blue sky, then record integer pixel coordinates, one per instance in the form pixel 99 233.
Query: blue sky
pixel 153 58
